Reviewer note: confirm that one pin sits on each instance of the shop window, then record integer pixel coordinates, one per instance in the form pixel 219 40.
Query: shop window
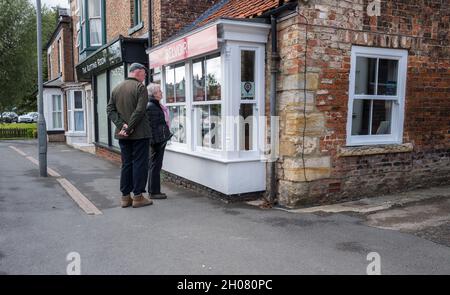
pixel 116 76
pixel 178 123
pixel 376 96
pixel 207 78
pixel 209 126
pixel 56 112
pixel 175 94
pixel 247 113
pixel 102 119
pixel 175 84
pixel 206 85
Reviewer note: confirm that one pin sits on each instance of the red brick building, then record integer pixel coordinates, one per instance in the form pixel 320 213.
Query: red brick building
pixel 361 93
pixel 60 75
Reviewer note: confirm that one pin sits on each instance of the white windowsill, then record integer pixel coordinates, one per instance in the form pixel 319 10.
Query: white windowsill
pixel 75 134
pixel 210 156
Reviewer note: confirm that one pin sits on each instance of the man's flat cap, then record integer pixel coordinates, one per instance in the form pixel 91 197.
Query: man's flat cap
pixel 137 66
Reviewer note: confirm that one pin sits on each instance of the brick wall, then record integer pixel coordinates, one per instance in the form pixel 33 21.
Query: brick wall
pixel 65 37
pixel 171 16
pixel 422 28
pixel 52 60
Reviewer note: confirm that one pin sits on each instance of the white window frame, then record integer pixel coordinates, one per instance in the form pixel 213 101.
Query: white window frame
pixel 253 102
pixel 99 17
pixel 60 57
pixel 195 104
pixel 60 111
pixel 398 101
pixel 71 112
pixel 82 22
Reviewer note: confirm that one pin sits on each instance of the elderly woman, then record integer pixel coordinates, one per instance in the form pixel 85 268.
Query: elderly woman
pixel 158 117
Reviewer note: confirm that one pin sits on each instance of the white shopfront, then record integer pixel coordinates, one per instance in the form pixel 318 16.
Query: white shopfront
pixel 214 86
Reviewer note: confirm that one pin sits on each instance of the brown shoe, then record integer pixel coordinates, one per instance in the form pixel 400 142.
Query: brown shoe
pixel 126 201
pixel 140 201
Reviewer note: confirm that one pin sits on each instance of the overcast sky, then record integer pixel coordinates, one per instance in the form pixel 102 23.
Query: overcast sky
pixel 51 3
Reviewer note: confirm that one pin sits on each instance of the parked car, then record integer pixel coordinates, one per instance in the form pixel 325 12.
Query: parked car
pixel 28 118
pixel 9 117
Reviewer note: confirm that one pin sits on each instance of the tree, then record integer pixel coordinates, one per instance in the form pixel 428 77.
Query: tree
pixel 18 54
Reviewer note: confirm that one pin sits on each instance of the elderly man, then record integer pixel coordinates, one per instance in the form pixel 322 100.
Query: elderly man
pixel 127 110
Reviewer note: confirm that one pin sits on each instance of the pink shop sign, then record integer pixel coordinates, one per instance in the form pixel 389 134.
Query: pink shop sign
pixel 189 46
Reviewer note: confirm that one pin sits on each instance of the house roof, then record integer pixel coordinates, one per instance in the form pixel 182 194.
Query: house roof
pixel 243 9
pixel 231 9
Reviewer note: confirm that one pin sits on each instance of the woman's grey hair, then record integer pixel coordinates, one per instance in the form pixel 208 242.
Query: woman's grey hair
pixel 152 88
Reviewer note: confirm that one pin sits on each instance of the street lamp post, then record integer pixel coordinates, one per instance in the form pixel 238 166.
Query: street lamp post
pixel 42 136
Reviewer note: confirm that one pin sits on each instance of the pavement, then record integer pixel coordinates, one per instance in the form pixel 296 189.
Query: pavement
pixel 188 233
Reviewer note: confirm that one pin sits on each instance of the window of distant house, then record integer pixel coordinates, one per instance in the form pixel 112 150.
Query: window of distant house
pixel 59 56
pixel 56 112
pixel 89 28
pixel 377 93
pixel 49 64
pixel 75 111
pixel 137 16
pixel 95 22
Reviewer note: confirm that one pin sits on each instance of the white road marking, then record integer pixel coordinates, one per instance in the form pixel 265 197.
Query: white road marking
pixel 17 150
pixel 78 197
pixel 73 192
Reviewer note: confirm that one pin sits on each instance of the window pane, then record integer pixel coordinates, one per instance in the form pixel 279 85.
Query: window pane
pixel 69 120
pixel 198 80
pixel 56 99
pixel 95 31
pixel 216 126
pixel 79 120
pixel 246 126
pixel 387 77
pixel 180 84
pixel 170 95
pixel 381 117
pixel 361 117
pixel 137 12
pixel 57 120
pixel 247 74
pixel 202 125
pixel 178 123
pixel 78 100
pixel 371 117
pixel 365 75
pixel 116 76
pixel 101 109
pixel 213 78
pixel 94 8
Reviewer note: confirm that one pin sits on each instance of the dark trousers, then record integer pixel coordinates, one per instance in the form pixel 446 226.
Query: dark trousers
pixel 154 167
pixel 134 170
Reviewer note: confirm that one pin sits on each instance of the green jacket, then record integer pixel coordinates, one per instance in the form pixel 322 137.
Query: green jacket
pixel 128 106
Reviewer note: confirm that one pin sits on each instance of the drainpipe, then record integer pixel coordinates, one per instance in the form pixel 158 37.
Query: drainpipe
pixel 150 35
